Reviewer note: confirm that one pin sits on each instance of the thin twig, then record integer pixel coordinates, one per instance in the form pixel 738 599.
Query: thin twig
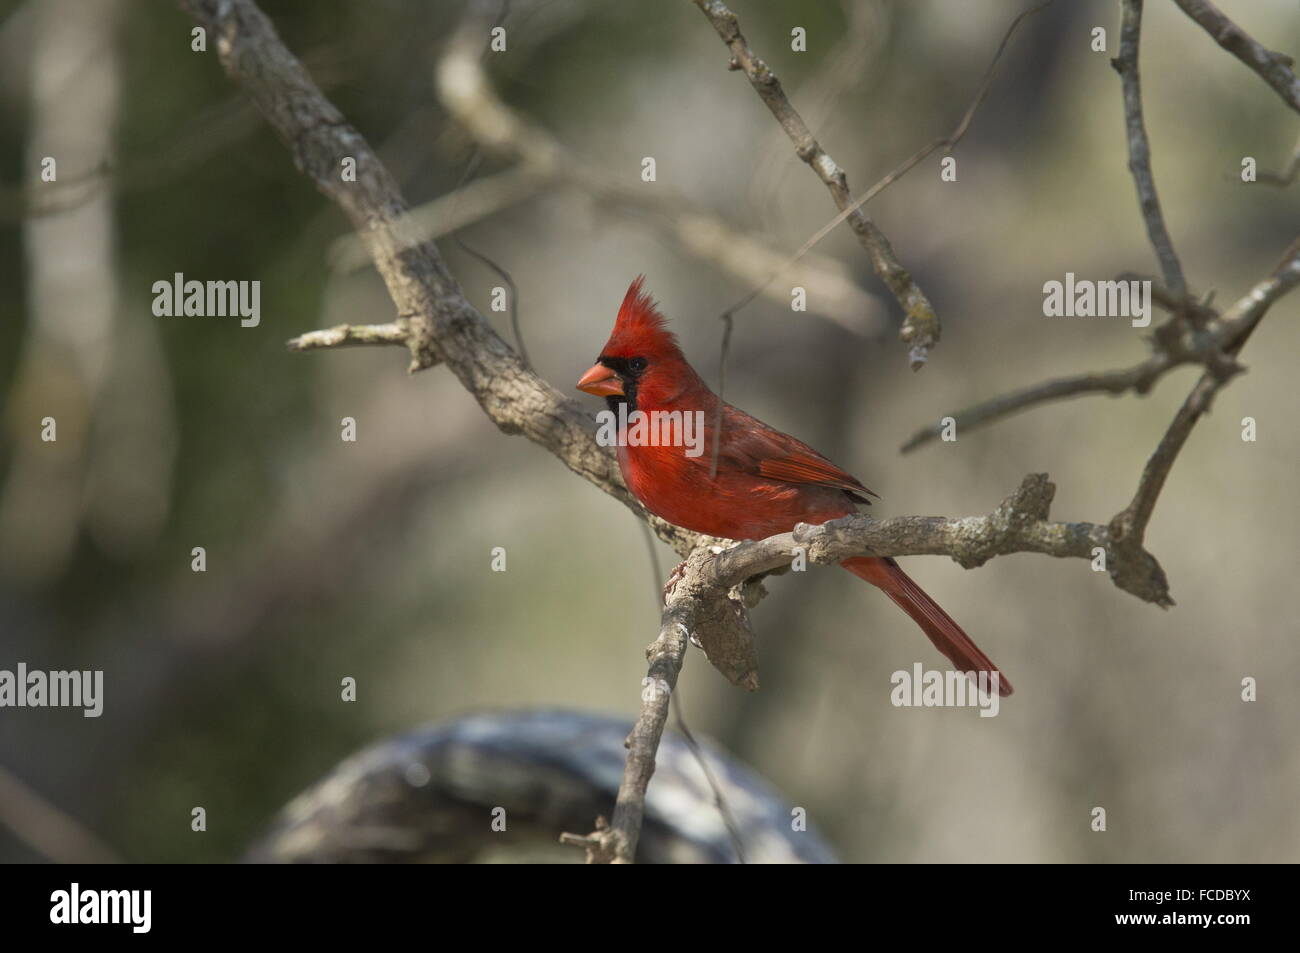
pixel 949 142
pixel 921 326
pixel 719 798
pixel 1139 148
pixel 1129 525
pixel 350 335
pixel 466 91
pixel 514 298
pixel 656 573
pixel 727 324
pixel 1287 174
pixel 46 829
pixel 1273 68
pixel 470 167
pixel 1221 338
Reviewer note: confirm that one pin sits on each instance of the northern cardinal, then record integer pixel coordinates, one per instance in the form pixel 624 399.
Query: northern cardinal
pixel 766 480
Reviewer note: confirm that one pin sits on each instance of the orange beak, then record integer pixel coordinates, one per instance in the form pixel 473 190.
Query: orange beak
pixel 601 381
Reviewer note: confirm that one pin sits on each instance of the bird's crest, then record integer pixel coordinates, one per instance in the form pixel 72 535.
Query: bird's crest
pixel 639 325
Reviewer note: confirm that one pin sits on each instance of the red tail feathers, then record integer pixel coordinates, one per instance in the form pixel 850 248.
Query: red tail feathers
pixel 946 634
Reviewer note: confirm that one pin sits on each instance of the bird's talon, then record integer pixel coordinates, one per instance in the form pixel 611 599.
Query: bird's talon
pixel 674 577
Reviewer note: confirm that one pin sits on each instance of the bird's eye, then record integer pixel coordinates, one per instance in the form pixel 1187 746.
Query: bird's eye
pixel 637 365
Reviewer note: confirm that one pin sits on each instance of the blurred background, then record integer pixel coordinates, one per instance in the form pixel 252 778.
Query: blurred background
pixel 372 559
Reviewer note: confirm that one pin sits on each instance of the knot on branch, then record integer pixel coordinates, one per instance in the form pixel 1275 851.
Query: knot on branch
pixel 1136 571
pixel 1032 500
pixel 977 539
pixel 604 845
pixel 921 329
pixel 1130 566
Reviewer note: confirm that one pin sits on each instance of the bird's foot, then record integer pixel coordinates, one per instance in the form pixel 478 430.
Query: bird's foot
pixel 674 577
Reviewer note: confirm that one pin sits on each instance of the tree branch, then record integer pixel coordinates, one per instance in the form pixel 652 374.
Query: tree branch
pixel 1128 528
pixel 347 335
pixel 465 89
pixel 1213 345
pixel 1273 68
pixel 1139 148
pixel 705 601
pixel 617 843
pixel 1287 174
pixel 1211 339
pixel 440 324
pixel 921 327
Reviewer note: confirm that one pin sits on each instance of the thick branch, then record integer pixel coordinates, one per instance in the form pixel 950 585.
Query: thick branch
pixel 1020 524
pixel 705 602
pixel 441 324
pixel 921 326
pixel 1273 68
pixel 665 655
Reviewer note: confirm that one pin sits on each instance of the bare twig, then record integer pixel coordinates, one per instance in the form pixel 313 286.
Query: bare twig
pixel 921 326
pixel 1138 377
pixel 1139 148
pixel 947 143
pixel 719 796
pixel 1129 526
pixel 46 829
pixel 449 213
pixel 727 325
pixel 465 89
pixel 1210 347
pixel 1287 174
pixel 1213 340
pixel 441 325
pixel 350 335
pixel 492 264
pixel 1273 68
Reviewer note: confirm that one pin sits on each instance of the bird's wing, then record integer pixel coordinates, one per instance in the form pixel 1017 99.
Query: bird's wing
pixel 750 446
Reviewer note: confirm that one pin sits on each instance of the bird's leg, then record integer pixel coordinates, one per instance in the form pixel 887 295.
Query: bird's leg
pixel 674 578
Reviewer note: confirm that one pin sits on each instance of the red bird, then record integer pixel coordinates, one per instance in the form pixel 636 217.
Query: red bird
pixel 766 480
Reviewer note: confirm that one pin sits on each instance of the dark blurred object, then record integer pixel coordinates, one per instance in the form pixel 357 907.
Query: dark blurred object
pixel 429 797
